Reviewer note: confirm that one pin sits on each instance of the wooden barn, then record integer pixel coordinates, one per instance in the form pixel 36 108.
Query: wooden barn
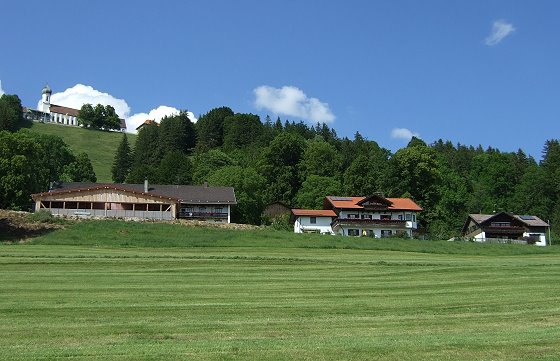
pixel 140 201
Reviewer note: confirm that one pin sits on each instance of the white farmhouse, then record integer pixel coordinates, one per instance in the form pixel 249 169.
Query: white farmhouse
pixel 373 216
pixel 313 220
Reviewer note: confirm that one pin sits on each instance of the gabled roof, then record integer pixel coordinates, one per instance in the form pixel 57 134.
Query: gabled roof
pixel 179 193
pixel 314 212
pixel 404 204
pixel 63 110
pixel 345 202
pixel 397 204
pixel 376 199
pixel 528 220
pixel 147 122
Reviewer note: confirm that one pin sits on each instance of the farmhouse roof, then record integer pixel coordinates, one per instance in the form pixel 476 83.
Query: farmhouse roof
pixel 314 212
pixel 180 193
pixel 397 204
pixel 529 220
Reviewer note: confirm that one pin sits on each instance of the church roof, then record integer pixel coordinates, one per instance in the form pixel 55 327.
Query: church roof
pixel 63 110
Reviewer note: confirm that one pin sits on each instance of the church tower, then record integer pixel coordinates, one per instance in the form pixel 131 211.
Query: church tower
pixel 46 99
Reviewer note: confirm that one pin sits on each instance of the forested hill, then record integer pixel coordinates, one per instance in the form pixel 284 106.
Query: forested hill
pixel 299 165
pixel 268 161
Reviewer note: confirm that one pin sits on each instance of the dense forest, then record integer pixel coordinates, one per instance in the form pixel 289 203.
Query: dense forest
pixel 300 164
pixel 295 163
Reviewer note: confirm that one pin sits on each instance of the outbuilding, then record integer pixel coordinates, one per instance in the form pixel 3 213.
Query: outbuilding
pixel 139 201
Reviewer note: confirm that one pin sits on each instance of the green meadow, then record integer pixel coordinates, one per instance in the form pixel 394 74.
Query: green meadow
pixel 100 146
pixel 110 290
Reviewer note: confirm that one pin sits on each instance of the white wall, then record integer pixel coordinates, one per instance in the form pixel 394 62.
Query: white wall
pixel 322 225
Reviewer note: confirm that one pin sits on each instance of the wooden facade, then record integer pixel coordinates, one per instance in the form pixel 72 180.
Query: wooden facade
pixel 162 202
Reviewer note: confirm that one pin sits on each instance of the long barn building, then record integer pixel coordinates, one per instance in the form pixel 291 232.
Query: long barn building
pixel 140 201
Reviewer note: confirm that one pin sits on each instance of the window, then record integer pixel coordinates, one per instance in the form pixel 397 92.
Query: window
pixel 500 224
pixel 408 216
pixel 385 217
pixel 386 233
pixel 353 216
pixel 414 218
pixel 400 217
pixel 313 220
pixel 354 232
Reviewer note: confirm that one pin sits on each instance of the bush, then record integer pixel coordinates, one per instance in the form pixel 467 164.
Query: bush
pixel 42 217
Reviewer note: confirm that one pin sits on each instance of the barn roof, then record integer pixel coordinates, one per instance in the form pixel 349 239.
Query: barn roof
pixel 181 193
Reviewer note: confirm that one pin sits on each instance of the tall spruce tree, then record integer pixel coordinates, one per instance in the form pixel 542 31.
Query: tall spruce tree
pixel 123 161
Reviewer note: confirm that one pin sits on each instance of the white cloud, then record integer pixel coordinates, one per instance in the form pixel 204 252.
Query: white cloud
pixel 1 90
pixel 292 101
pixel 403 133
pixel 81 94
pixel 500 29
pixel 157 114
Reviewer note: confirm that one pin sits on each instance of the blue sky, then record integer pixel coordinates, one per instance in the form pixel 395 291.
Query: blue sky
pixel 475 72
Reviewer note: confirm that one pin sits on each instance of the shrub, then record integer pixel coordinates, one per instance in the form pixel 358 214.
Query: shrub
pixel 42 217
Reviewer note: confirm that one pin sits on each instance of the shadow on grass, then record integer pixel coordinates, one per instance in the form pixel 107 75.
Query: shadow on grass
pixel 14 233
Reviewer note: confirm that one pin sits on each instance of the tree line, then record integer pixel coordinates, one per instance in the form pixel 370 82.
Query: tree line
pixel 299 165
pixel 292 162
pixel 29 162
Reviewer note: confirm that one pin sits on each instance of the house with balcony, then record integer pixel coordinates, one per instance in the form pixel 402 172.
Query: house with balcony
pixel 138 201
pixel 372 216
pixel 506 227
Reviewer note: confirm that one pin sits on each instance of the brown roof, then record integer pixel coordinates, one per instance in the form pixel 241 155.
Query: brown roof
pixel 63 110
pixel 180 193
pixel 314 212
pixel 529 220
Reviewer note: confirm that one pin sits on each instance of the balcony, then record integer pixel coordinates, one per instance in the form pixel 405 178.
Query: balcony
pixel 504 229
pixel 202 215
pixel 386 223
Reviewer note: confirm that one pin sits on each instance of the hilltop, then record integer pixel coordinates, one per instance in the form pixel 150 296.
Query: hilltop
pixel 100 146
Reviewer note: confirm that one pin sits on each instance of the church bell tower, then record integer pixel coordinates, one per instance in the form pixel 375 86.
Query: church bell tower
pixel 46 99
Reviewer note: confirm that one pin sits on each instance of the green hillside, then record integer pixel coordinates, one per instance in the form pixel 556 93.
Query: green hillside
pixel 99 145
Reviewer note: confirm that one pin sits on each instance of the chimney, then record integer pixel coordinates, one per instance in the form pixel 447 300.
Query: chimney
pixel 146 185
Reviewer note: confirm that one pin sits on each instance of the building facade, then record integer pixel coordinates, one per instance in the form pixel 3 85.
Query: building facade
pixel 138 201
pixel 313 220
pixel 56 114
pixel 373 216
pixel 506 227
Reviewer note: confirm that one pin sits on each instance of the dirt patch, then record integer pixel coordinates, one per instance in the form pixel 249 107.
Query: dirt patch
pixel 17 226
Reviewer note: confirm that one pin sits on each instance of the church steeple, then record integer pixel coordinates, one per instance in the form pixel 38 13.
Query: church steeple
pixel 46 98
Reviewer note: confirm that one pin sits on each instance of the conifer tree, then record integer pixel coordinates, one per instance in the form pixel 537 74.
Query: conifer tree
pixel 123 161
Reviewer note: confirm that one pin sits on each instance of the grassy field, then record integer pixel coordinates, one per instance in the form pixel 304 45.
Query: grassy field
pixel 129 291
pixel 99 145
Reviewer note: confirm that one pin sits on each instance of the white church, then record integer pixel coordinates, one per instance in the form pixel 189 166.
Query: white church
pixel 56 114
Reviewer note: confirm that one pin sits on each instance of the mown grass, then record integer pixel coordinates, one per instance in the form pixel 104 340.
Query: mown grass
pixel 176 292
pixel 100 146
pixel 115 233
